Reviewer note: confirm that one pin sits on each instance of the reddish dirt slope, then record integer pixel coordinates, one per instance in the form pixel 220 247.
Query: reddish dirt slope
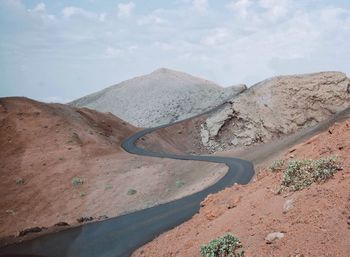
pixel 315 225
pixel 44 147
pixel 180 138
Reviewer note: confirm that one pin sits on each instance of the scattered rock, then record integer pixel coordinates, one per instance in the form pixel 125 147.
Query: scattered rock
pixel 273 236
pixel 102 217
pixel 9 211
pixel 61 224
pixel 85 219
pixel 207 200
pixel 213 214
pixel 288 204
pixel 233 202
pixel 31 230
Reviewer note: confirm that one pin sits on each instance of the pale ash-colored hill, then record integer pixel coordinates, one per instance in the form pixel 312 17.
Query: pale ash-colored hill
pixel 276 107
pixel 161 97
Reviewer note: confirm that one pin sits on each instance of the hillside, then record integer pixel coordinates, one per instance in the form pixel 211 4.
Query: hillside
pixel 276 107
pixel 314 221
pixel 57 163
pixel 162 97
pixel 272 109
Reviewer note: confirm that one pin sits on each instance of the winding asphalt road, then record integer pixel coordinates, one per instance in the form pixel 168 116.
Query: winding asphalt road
pixel 120 236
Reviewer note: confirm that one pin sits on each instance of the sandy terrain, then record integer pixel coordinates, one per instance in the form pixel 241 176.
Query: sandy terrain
pixel 315 225
pixel 45 147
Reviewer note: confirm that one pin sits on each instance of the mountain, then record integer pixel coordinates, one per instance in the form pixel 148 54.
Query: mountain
pixel 161 97
pixel 275 107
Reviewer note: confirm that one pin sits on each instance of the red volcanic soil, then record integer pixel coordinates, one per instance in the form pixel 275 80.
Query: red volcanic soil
pixel 179 138
pixel 47 149
pixel 317 223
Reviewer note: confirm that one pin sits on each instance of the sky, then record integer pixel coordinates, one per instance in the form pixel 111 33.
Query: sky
pixel 57 51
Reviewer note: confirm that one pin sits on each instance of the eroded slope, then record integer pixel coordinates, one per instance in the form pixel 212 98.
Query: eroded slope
pixel 314 221
pixel 276 107
pixel 58 164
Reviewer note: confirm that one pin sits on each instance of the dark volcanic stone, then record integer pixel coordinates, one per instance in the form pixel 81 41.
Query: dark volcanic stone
pixel 61 224
pixel 84 219
pixel 31 230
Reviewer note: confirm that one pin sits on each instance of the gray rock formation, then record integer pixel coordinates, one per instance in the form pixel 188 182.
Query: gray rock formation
pixel 275 107
pixel 164 96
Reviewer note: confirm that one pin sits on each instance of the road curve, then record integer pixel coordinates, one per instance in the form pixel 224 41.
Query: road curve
pixel 120 236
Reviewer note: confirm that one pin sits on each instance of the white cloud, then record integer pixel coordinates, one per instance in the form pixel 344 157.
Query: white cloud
pixel 112 52
pixel 150 20
pixel 71 11
pixel 217 36
pixel 40 11
pixel 255 40
pixel 55 99
pixel 275 8
pixel 125 10
pixel 40 7
pixel 200 6
pixel 115 52
pixel 240 6
pixel 260 10
pixel 102 17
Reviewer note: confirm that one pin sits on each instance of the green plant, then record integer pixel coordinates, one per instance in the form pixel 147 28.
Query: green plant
pixel 107 187
pixel 77 181
pixel 224 246
pixel 302 173
pixel 131 191
pixel 149 204
pixel 20 181
pixel 276 165
pixel 179 183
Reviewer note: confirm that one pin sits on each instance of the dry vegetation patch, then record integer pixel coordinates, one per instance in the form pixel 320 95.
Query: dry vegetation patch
pixel 299 174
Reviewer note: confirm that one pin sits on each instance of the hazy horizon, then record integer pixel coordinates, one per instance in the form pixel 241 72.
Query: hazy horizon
pixel 62 50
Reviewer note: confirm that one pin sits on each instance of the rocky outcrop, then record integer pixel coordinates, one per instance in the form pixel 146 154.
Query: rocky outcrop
pixel 275 107
pixel 162 97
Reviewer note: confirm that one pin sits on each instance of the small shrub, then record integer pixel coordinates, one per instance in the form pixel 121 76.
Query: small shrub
pixel 20 181
pixel 77 181
pixel 225 246
pixel 131 191
pixel 179 183
pixel 277 165
pixel 302 173
pixel 107 187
